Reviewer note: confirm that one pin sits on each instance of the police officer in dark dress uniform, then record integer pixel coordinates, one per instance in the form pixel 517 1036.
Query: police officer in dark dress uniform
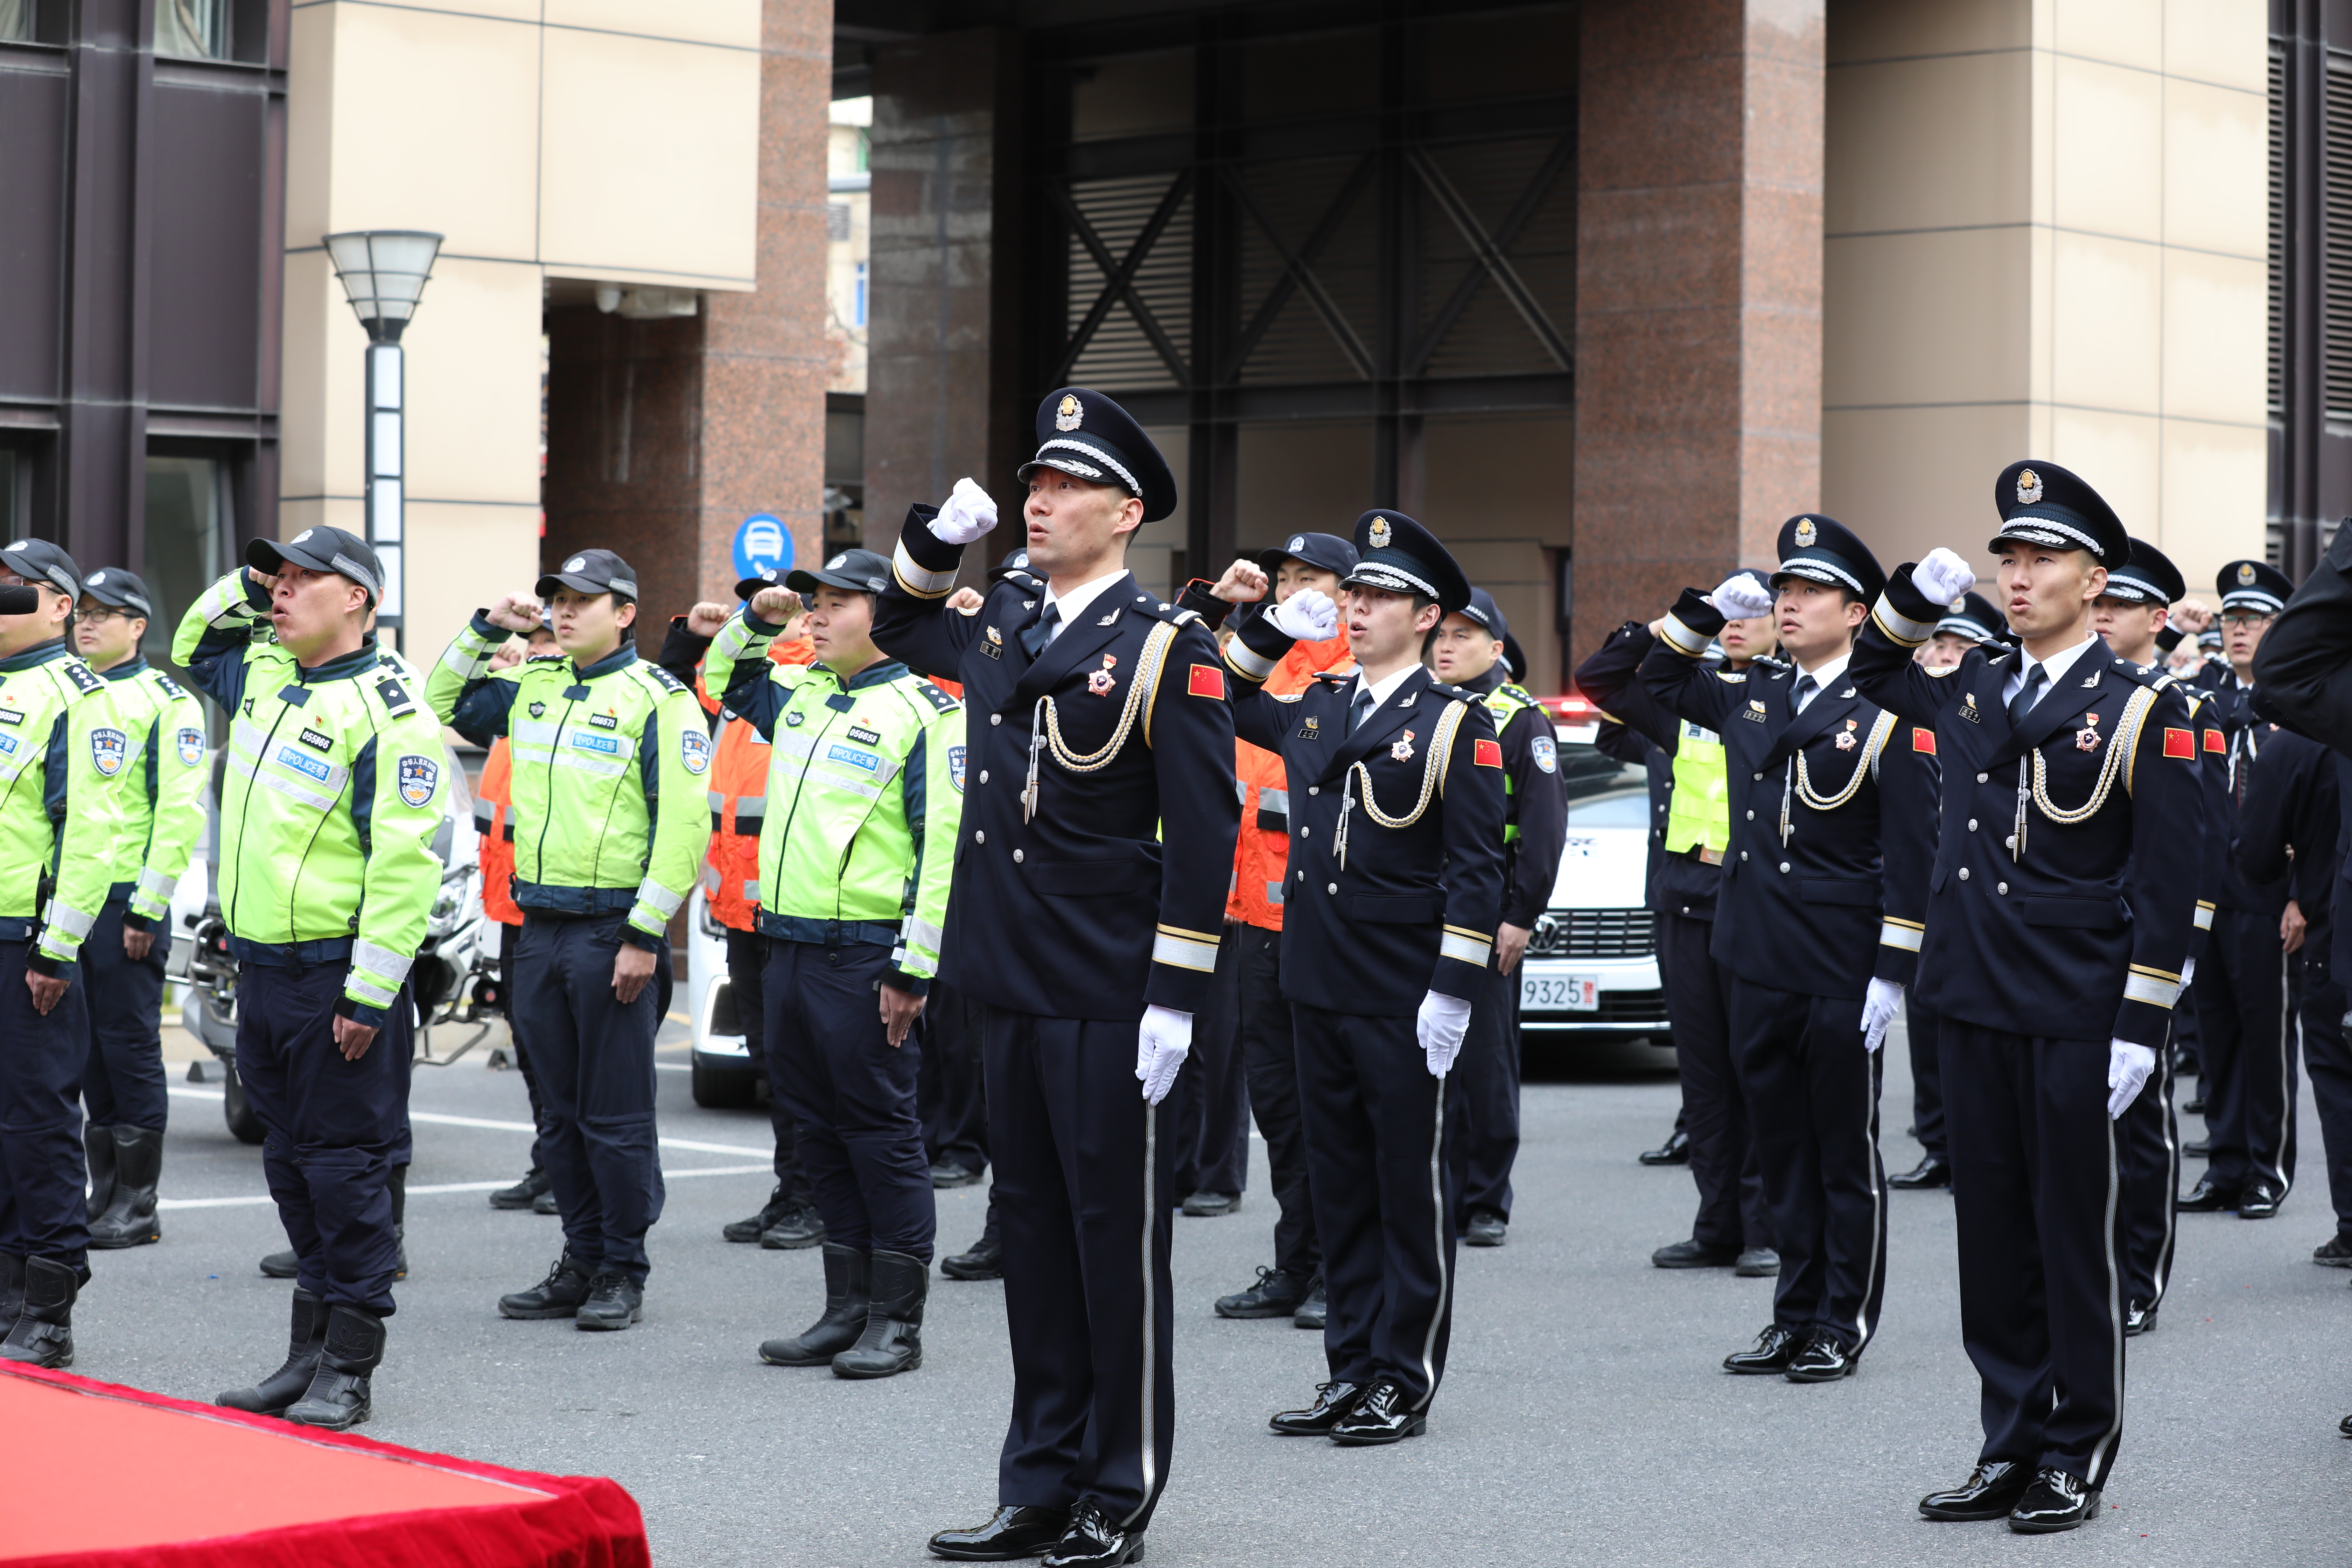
pixel 2245 1045
pixel 1097 836
pixel 1395 887
pixel 2070 792
pixel 1833 823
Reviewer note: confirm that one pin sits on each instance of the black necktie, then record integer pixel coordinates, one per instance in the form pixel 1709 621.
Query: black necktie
pixel 1039 631
pixel 1360 709
pixel 2028 694
pixel 1803 692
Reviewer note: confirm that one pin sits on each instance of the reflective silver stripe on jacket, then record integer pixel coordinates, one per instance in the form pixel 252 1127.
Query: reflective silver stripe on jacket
pixel 70 921
pixel 157 886
pixel 655 896
pixel 380 961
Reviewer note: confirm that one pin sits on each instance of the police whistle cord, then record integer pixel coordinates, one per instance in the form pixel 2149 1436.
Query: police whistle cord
pixel 1866 764
pixel 1433 774
pixel 1046 720
pixel 2120 747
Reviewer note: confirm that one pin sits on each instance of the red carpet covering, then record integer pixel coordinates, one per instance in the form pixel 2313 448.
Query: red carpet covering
pixel 100 1477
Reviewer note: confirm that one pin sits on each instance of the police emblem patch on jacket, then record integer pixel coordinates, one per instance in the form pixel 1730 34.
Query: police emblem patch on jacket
pixel 419 777
pixel 955 767
pixel 191 744
pixel 108 748
pixel 1546 751
pixel 693 750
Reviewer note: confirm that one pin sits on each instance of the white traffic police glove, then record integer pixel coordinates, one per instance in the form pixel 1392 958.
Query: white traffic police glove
pixel 968 514
pixel 1879 1005
pixel 1308 616
pixel 1162 1043
pixel 1943 576
pixel 2127 1068
pixel 1741 596
pixel 1440 1025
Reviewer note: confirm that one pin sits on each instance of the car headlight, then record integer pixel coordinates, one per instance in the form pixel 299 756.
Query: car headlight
pixel 449 903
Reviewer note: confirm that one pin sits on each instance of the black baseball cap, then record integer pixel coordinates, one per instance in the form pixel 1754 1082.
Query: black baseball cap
pixel 1325 552
pixel 113 585
pixel 2041 503
pixel 38 561
pixel 1014 565
pixel 322 549
pixel 857 570
pixel 2149 577
pixel 590 572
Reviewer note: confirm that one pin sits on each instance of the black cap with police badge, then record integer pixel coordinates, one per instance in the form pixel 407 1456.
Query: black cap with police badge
pixel 38 561
pixel 1971 616
pixel 113 585
pixel 590 572
pixel 2041 503
pixel 1323 552
pixel 2255 586
pixel 322 549
pixel 1822 549
pixel 2148 577
pixel 1484 611
pixel 1397 554
pixel 765 577
pixel 1085 434
pixel 854 571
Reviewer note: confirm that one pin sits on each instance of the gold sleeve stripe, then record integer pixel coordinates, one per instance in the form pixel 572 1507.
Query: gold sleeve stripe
pixel 912 577
pixel 1684 640
pixel 1900 627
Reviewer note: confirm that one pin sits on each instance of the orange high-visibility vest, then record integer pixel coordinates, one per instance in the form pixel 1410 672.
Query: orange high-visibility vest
pixel 739 803
pixel 493 799
pixel 1262 854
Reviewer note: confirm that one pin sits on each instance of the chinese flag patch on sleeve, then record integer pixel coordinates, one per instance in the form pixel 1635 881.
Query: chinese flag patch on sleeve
pixel 1207 680
pixel 1923 740
pixel 2214 743
pixel 1488 753
pixel 2180 743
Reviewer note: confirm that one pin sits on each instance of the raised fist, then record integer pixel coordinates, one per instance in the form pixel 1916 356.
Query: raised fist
pixel 1741 596
pixel 1943 576
pixel 1308 616
pixel 705 619
pixel 516 613
pixel 967 513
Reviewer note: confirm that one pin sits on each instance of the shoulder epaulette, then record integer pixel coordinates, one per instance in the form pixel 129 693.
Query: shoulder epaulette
pixel 2147 675
pixel 1335 676
pixel 659 676
pixel 940 700
pixel 1457 693
pixel 81 676
pixel 396 700
pixel 1518 693
pixel 167 685
pixel 1175 615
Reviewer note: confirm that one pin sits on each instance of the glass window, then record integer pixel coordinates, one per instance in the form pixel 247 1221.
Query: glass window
pixel 197 27
pixel 1601 791
pixel 187 547
pixel 16 24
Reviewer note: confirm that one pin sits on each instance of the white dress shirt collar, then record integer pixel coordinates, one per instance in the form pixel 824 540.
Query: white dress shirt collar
pixel 1384 691
pixel 1073 605
pixel 2056 666
pixel 1828 677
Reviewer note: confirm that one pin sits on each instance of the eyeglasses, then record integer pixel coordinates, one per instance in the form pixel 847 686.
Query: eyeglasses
pixel 105 613
pixel 2245 620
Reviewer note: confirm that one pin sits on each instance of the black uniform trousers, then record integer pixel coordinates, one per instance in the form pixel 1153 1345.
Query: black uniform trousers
pixel 1270 1056
pixel 2149 1154
pixel 332 1129
pixel 122 1081
pixel 1211 1098
pixel 508 936
pixel 1812 1089
pixel 1731 1207
pixel 595 1064
pixel 2035 1183
pixel 44 1181
pixel 1385 1198
pixel 2246 1049
pixel 1927 1080
pixel 746 959
pixel 2319 1002
pixel 948 1094
pixel 1081 1177
pixel 851 1094
pixel 1488 1068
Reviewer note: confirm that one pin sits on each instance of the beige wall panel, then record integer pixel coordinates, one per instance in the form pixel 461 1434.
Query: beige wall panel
pixel 2216 481
pixel 2120 454
pixel 734 23
pixel 1303 477
pixel 2216 325
pixel 436 127
pixel 652 156
pixel 1925 318
pixel 2105 323
pixel 313 444
pixel 1498 478
pixel 2129 32
pixel 473 384
pixel 1928 144
pixel 309 120
pixel 1908 479
pixel 2223 41
pixel 460 557
pixel 2107 140
pixel 2216 169
pixel 500 10
pixel 1886 29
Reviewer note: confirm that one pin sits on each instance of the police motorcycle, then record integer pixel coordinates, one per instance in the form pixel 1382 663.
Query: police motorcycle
pixel 454 980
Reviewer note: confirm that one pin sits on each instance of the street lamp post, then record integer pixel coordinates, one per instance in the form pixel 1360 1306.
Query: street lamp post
pixel 383 272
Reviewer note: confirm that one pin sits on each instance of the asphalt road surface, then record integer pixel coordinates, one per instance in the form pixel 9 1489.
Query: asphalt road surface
pixel 1583 1417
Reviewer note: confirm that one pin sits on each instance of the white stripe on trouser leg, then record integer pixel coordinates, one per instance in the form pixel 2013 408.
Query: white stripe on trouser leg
pixel 2286 1079
pixel 1151 1383
pixel 1877 1206
pixel 2115 1309
pixel 2161 1274
pixel 1436 1207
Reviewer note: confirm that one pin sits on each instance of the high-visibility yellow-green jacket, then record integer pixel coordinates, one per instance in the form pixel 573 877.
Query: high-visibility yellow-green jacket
pixel 865 796
pixel 332 792
pixel 63 754
pixel 609 760
pixel 161 792
pixel 1699 810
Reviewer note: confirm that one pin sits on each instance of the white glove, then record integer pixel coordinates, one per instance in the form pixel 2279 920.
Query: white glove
pixel 2187 974
pixel 1308 616
pixel 1440 1024
pixel 968 514
pixel 1943 576
pixel 1878 1009
pixel 1742 597
pixel 2127 1068
pixel 1162 1043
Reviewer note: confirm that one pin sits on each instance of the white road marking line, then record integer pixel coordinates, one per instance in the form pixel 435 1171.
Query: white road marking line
pixel 264 1198
pixel 437 1119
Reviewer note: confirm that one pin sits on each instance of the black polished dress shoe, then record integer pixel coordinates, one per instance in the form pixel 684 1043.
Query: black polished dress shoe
pixel 984 1261
pixel 1379 1416
pixel 1311 1310
pixel 2194 1105
pixel 1694 1255
pixel 2199 1148
pixel 1094 1541
pixel 1773 1351
pixel 2138 1320
pixel 2260 1200
pixel 1486 1228
pixel 2208 1196
pixel 1675 1150
pixel 1757 1263
pixel 2333 1253
pixel 2056 1501
pixel 948 1174
pixel 1991 1490
pixel 1932 1171
pixel 1824 1359
pixel 1333 1401
pixel 1277 1294
pixel 1013 1531
pixel 1211 1206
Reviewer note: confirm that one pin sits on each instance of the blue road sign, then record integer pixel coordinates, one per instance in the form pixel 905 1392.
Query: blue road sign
pixel 762 542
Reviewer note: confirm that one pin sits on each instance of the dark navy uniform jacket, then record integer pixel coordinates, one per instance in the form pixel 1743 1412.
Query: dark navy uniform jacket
pixel 1112 897
pixel 1536 803
pixel 1414 909
pixel 2287 829
pixel 1839 898
pixel 2077 930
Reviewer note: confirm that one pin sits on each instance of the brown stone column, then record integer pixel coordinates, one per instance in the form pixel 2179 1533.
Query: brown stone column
pixel 1699 358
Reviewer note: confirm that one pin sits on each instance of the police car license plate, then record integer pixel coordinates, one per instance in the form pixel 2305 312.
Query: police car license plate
pixel 1559 994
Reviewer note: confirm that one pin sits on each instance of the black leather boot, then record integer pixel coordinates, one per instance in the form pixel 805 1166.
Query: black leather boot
pixel 338 1398
pixel 304 1344
pixel 523 1192
pixel 128 1220
pixel 11 1291
pixel 557 1296
pixel 846 1275
pixel 43 1330
pixel 98 1148
pixel 399 1185
pixel 281 1265
pixel 893 1339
